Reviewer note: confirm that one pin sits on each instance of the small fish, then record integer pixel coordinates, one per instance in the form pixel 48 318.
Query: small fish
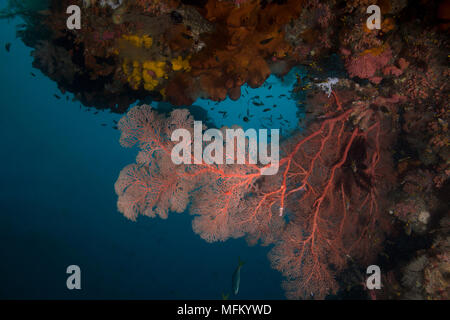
pixel 103 124
pixel 96 112
pixel 266 41
pixel 282 95
pixel 274 106
pixel 236 278
pixel 258 103
pixel 8 46
pixel 224 113
pixel 270 96
pixel 32 74
pixel 266 109
pixel 245 119
pixel 269 119
pixel 270 87
pixel 56 96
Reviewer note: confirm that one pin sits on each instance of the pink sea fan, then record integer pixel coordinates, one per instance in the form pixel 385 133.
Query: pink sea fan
pixel 154 185
pixel 151 131
pixel 331 210
pixel 150 191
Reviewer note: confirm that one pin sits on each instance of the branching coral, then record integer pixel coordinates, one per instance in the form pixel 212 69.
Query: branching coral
pixel 329 185
pixel 336 216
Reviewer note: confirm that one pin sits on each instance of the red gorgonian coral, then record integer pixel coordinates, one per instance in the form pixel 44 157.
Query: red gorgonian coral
pixel 321 209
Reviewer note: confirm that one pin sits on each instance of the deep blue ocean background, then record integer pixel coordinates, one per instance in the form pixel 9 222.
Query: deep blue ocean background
pixel 58 205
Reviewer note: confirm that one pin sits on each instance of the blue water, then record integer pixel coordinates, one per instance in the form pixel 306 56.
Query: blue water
pixel 270 106
pixel 58 205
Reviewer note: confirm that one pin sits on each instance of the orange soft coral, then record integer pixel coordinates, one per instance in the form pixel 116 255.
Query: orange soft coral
pixel 245 41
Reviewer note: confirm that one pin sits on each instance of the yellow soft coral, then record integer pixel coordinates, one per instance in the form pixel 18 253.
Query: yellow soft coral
pixel 374 51
pixel 135 78
pixel 147 41
pixel 148 73
pixel 180 64
pixel 125 67
pixel 153 70
pixel 150 84
pixel 139 41
pixel 156 66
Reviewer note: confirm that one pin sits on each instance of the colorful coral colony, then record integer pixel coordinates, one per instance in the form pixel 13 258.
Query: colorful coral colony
pixel 364 182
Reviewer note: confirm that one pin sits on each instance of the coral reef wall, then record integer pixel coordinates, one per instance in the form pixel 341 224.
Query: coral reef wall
pixel 368 174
